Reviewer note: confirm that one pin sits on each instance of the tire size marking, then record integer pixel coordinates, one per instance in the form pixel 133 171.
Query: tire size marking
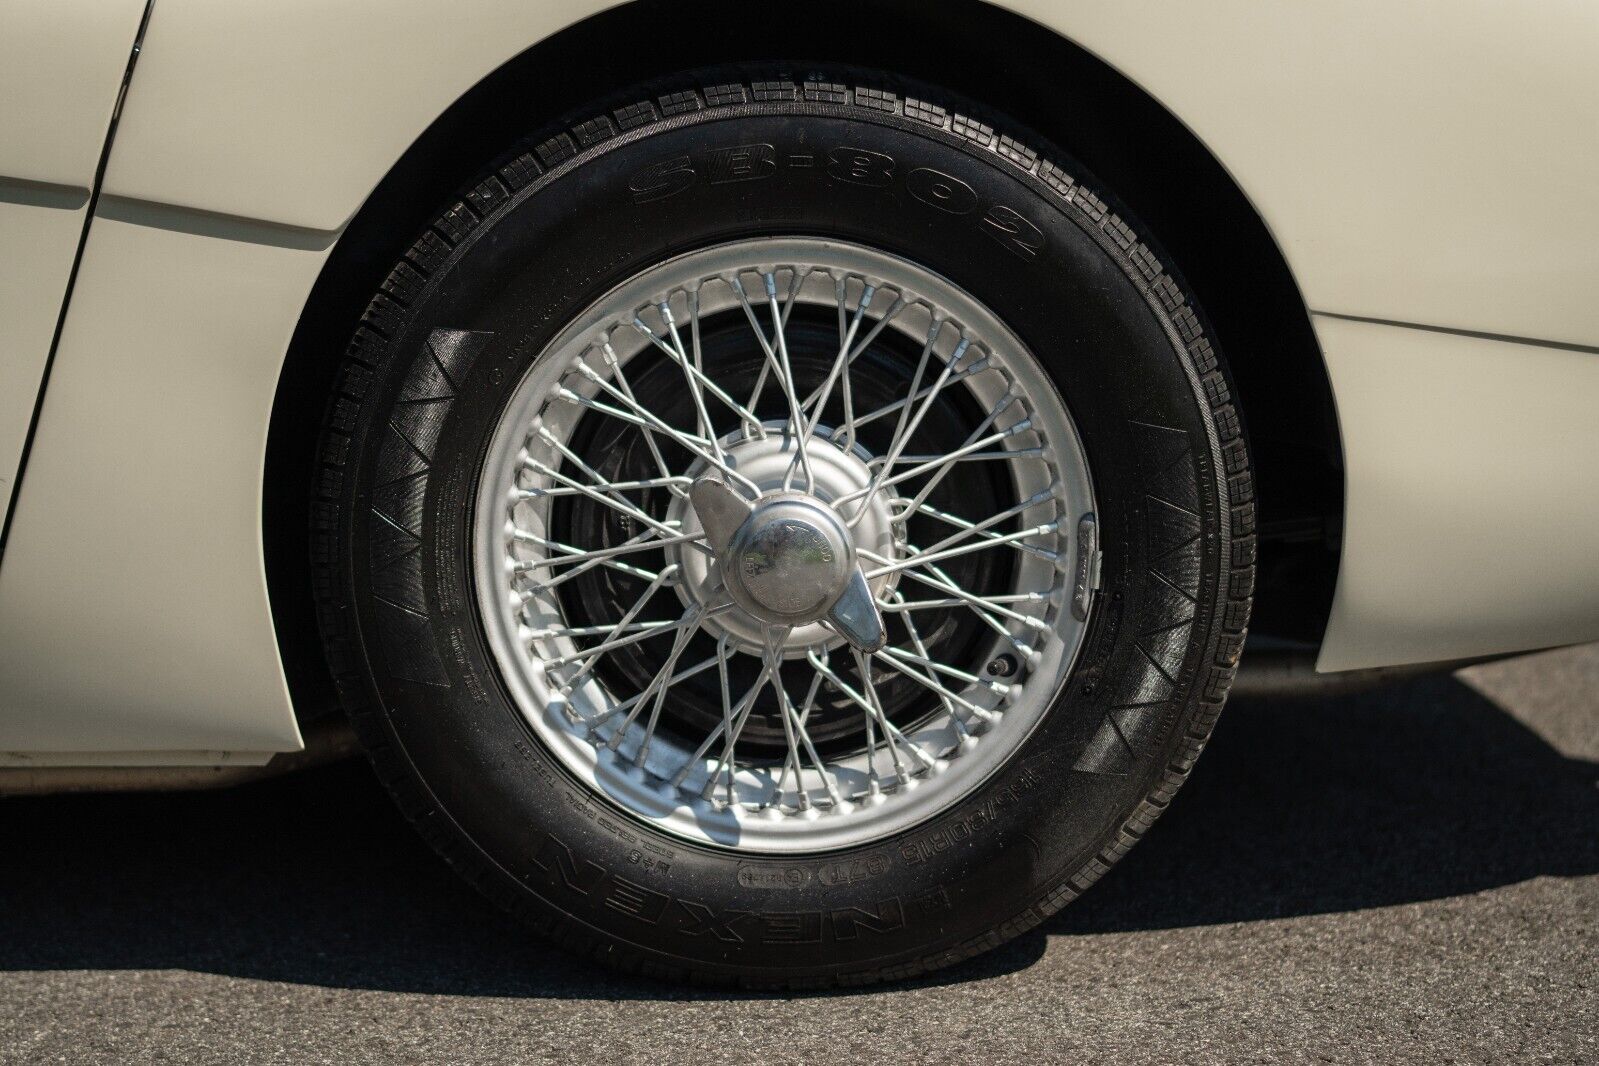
pixel 918 849
pixel 832 874
pixel 571 874
pixel 843 164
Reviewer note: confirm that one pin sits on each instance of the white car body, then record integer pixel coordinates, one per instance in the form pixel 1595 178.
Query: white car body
pixel 1428 175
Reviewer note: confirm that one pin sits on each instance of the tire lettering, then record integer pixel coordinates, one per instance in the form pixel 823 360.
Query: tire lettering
pixel 636 901
pixel 860 166
pixel 690 918
pixel 581 880
pixel 660 180
pixel 790 927
pixel 888 917
pixel 744 162
pixel 917 850
pixel 1013 231
pixel 708 921
pixel 943 191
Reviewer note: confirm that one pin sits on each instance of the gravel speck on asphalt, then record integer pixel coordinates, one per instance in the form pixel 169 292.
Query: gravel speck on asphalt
pixel 1404 875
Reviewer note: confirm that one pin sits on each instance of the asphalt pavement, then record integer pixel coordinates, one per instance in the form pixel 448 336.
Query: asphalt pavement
pixel 1406 875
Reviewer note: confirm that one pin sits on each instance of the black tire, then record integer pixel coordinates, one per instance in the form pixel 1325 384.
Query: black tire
pixel 554 226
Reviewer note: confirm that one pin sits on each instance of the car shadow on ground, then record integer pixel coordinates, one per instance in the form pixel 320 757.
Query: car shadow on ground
pixel 1417 792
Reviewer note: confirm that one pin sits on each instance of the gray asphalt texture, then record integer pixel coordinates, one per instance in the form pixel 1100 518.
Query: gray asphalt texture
pixel 1407 875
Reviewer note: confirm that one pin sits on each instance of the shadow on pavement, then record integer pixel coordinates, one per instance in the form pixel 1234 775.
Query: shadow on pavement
pixel 1398 795
pixel 1413 793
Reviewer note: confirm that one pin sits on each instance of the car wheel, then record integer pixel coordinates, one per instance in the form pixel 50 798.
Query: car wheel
pixel 783 531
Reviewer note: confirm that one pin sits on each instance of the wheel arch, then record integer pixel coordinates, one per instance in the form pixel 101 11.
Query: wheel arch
pixel 1030 73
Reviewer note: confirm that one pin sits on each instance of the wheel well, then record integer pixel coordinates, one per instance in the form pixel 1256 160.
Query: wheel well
pixel 1006 62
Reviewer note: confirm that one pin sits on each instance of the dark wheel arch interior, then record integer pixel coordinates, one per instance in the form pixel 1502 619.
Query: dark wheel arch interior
pixel 1159 170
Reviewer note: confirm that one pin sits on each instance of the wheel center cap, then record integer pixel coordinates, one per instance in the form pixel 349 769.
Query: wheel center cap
pixel 761 590
pixel 789 561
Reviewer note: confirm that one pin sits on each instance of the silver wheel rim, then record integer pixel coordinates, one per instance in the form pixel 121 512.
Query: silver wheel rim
pixel 610 736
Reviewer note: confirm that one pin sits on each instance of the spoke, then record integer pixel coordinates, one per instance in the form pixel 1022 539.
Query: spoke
pixel 587 664
pixel 646 483
pixel 921 649
pixel 579 571
pixel 829 785
pixel 978 457
pixel 616 503
pixel 800 718
pixel 903 431
pixel 593 631
pixel 929 683
pixel 848 351
pixel 615 364
pixel 1035 500
pixel 874 713
pixel 746 414
pixel 823 394
pixel 685 628
pixel 973 600
pixel 902 505
pixel 899 438
pixel 965 549
pixel 740 715
pixel 860 346
pixel 698 359
pixel 889 408
pixel 719 660
pixel 566 394
pixel 611 497
pixel 942 580
pixel 791 761
pixel 598 480
pixel 900 604
pixel 622 642
pixel 932 666
pixel 693 371
pixel 880 482
pixel 962 455
pixel 632 701
pixel 796 278
pixel 895 737
pixel 874 710
pixel 874 779
pixel 727 714
pixel 846 334
pixel 662 684
pixel 694 444
pixel 595 554
pixel 675 352
pixel 786 370
pixel 555 545
pixel 981 608
pixel 776 353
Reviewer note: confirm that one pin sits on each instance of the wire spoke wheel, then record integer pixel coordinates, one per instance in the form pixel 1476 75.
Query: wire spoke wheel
pixel 776 545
